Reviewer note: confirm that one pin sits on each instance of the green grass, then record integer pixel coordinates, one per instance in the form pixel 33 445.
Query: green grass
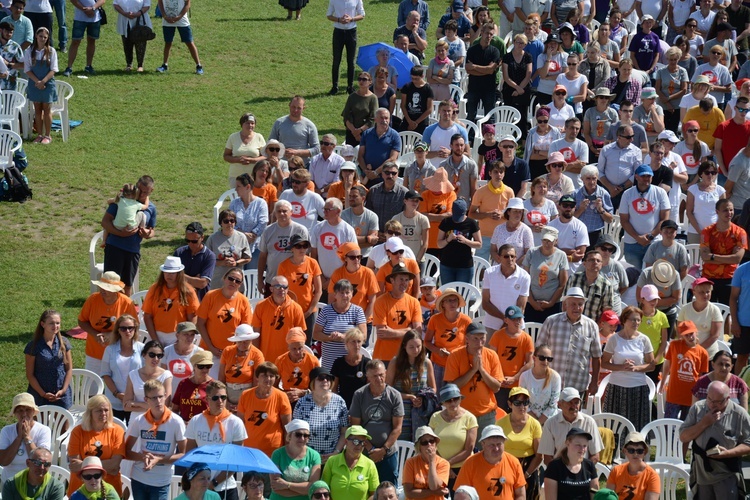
pixel 173 127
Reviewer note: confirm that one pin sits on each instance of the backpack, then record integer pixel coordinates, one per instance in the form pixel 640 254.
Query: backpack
pixel 14 186
pixel 20 160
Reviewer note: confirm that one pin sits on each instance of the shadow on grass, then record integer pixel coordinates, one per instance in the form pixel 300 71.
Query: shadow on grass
pixel 245 19
pixel 19 337
pixel 173 243
pixel 286 99
pixel 76 303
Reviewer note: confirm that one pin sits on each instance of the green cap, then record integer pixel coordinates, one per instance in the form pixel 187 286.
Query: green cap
pixel 357 430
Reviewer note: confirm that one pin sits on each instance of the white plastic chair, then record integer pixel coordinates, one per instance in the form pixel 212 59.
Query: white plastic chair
pixel 672 477
pixel 457 95
pixel 666 433
pixel 61 423
pixel 27 113
pixel 226 196
pixel 620 427
pixel 251 284
pixel 531 112
pixel 84 384
pixel 687 285
pixel 61 474
pixel 137 299
pixel 120 423
pixel 480 266
pixel 533 328
pixel 503 129
pixel 143 335
pixel 61 108
pixel 502 115
pixel 602 470
pixel 175 487
pixel 630 26
pixel 431 267
pixel 10 142
pixel 594 25
pixel 254 301
pixel 477 138
pixel 723 346
pixel 127 488
pixel 694 252
pixel 471 295
pixel 603 385
pixel 408 140
pixel 97 268
pixel 13 104
pixel 405 451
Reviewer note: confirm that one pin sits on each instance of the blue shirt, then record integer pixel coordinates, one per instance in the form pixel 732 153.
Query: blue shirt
pixel 534 48
pixel 23 32
pixel 592 220
pixel 132 243
pixel 378 149
pixel 407 6
pixel 741 280
pixel 200 265
pixel 516 174
pixel 463 24
pixel 252 219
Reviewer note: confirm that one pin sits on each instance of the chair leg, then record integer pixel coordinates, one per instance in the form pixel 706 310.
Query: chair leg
pixel 65 124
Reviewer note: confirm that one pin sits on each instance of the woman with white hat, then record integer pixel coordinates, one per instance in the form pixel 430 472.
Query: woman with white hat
pixel 169 301
pixel 445 331
pixel 299 463
pixel 99 313
pixel 190 397
pixel 94 487
pixel 548 268
pixel 513 231
pixel 19 439
pixel 238 363
pixel 426 474
pixel 274 153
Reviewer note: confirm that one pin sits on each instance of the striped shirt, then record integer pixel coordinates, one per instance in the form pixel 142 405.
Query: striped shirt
pixel 332 321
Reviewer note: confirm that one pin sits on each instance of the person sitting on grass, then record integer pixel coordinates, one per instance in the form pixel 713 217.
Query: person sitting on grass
pixel 175 16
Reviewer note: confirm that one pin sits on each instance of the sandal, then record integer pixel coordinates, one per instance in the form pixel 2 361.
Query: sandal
pixel 140 69
pixel 46 140
pixel 38 139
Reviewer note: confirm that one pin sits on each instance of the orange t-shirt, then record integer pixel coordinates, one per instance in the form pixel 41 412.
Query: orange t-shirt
pixel 497 481
pixel 417 471
pixel 363 281
pixel 627 486
pixel 296 375
pixel 167 310
pixel 487 201
pixel 102 318
pixel 722 243
pixel 448 335
pixel 436 203
pixel 274 322
pixel 223 316
pixel 268 192
pixel 479 399
pixel 240 369
pixel 336 190
pixel 397 314
pixel 686 364
pixel 386 269
pixel 262 418
pixel 104 444
pixel 512 352
pixel 300 279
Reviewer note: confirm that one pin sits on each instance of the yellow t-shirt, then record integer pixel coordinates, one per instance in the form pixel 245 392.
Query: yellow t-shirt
pixel 521 444
pixel 452 434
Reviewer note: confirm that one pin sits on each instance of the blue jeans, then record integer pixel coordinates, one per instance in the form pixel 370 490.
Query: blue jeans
pixel 388 468
pixel 62 29
pixel 451 274
pixel 634 253
pixel 145 492
pixel 484 252
pixel 253 264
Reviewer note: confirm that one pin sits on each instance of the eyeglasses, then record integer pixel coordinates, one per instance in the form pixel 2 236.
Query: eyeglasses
pixel 192 241
pixel 157 355
pixel 427 442
pixel 234 280
pixel 389 173
pixel 229 221
pixel 204 367
pixel 273 150
pixel 608 249
pixel 279 286
pixel 357 442
pixel 693 130
pixel 321 494
pixel 89 477
pixel 521 403
pixel 542 121
pixel 254 486
pixel 568 205
pixel 556 165
pixel 123 328
pixel 545 358
pixel 326 143
pixel 628 137
pixel 40 463
pixel 295 181
pixel 508 146
pixel 572 64
pixel 302 246
pixel 741 110
pixel 302 435
pixel 393 233
pixel 691 25
pixel 363 79
pixel 328 209
pixel 711 172
pixel 635 451
pixel 716 53
pixel 452 400
pixel 354 257
pixel 398 252
pixel 323 378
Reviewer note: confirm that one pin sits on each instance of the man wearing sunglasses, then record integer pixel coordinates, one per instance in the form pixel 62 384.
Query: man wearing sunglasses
pixel 36 478
pixel 732 135
pixel 618 161
pixel 198 260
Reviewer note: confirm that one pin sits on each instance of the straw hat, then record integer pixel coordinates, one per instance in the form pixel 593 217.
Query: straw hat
pixel 110 281
pixel 438 182
pixel 449 292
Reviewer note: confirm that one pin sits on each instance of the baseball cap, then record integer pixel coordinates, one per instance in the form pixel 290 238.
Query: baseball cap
pixel 195 227
pixel 644 170
pixel 492 431
pixel 413 195
pixel 686 328
pixel 669 224
pixel 421 145
pixel 459 209
pixel 550 233
pixel 569 394
pixel 701 281
pixel 475 328
pixel 567 198
pixel 427 281
pixel 513 312
pixel 609 316
pixel 577 431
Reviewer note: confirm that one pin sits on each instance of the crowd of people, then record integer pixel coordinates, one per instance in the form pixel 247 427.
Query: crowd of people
pixel 343 344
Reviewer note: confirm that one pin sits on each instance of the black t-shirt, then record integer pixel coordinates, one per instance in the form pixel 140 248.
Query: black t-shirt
pixel 516 173
pixel 663 175
pixel 482 57
pixel 384 101
pixel 516 70
pixel 403 30
pixel 572 486
pixel 416 99
pixel 457 254
pixel 739 19
pixel 350 377
pixel 490 154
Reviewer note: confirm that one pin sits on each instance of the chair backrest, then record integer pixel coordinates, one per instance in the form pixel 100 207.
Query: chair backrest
pixel 724 310
pixel 503 129
pixel 254 301
pixel 600 394
pixel 226 196
pixel 405 451
pixel 95 268
pixel 619 425
pixel 477 138
pixel 175 487
pixel 120 423
pixel 630 26
pixel 251 283
pixel 64 93
pixel 480 266
pixel 672 477
pixel 143 335
pixel 138 297
pixel 502 115
pixel 456 93
pixel 10 142
pixel 666 439
pixel 12 103
pixel 723 346
pixel 21 85
pixel 594 24
pixel 60 422
pixel 127 489
pixel 85 384
pixel 533 328
pixel 687 284
pixel 61 474
pixel 408 140
pixel 531 113
pixel 471 295
pixel 694 252
pixel 602 470
pixel 431 267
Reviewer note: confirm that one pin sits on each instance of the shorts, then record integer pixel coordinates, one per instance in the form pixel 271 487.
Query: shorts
pixel 122 262
pixel 186 33
pixel 741 344
pixel 81 27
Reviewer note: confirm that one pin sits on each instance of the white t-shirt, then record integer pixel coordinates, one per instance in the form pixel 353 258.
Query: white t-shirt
pixel 138 383
pixel 704 206
pixel 691 163
pixel 327 239
pixel 643 209
pixel 40 434
pixel 688 101
pixel 178 365
pixel 703 322
pixel 543 214
pixel 306 208
pixel 234 430
pixel 557 117
pixel 504 292
pixel 163 442
pixel 574 88
pixel 623 350
pixel 379 257
pixel 573 234
pixel 172 8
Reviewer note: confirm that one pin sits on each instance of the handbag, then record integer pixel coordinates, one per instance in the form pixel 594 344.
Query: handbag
pixel 141 32
pixel 102 16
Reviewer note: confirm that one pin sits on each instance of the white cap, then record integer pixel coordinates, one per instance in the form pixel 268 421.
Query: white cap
pixel 296 425
pixel 492 431
pixel 668 135
pixel 394 244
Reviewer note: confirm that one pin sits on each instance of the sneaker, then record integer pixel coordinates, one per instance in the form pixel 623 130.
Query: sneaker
pixel 46 140
pixel 163 68
pixel 63 49
pixel 349 89
pixel 67 72
pixel 198 69
pixel 89 70
pixel 334 90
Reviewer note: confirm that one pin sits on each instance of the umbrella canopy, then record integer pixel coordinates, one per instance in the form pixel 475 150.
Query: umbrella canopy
pixel 230 458
pixel 367 58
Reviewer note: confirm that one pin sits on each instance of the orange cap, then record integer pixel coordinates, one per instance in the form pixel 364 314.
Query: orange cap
pixel 686 328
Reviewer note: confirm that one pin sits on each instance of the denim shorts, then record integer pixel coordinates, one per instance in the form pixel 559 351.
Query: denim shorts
pixel 186 33
pixel 81 27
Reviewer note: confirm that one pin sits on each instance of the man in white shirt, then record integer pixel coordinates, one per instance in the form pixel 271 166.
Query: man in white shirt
pixel 307 206
pixel 573 238
pixel 617 163
pixel 345 14
pixel 327 236
pixel 574 150
pixel 326 165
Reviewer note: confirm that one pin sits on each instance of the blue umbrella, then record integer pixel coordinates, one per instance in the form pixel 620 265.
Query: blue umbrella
pixel 367 58
pixel 230 458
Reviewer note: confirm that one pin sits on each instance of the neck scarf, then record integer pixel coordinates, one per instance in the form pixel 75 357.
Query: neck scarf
pixel 442 61
pixel 213 419
pixel 154 423
pixel 21 482
pixel 495 190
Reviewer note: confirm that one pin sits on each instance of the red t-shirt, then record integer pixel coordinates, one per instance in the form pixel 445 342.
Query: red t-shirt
pixel 733 138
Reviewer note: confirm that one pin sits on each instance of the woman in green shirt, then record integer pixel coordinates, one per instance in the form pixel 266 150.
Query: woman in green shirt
pixel 350 474
pixel 195 483
pixel 299 464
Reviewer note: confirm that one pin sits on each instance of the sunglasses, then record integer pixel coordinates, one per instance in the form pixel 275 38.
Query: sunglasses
pixel 560 93
pixel 452 400
pixel 192 241
pixel 741 110
pixel 206 367
pixel 556 165
pixel 568 205
pixel 295 181
pixel 322 494
pixel 393 233
pixel 400 252
pixel 326 143
pixel 521 403
pixel 635 451
pixel 509 146
pixel 545 358
pixel 628 137
pixel 389 173
pixel 691 25
pixel 707 172
pixel 542 121
pixel 274 150
pixel 716 53
pixel 323 378
pixel 126 328
pixel 40 463
pixel 234 280
pixel 693 130
pixel 607 249
pixel 229 221
pixel 278 286
pixel 363 79
pixel 302 435
pixel 302 246
pixel 357 442
pixel 254 486
pixel 427 442
pixel 89 477
pixel 354 257
pixel 157 355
